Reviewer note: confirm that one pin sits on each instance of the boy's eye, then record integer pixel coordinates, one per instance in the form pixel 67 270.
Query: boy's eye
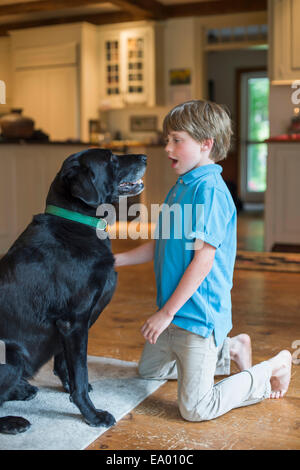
pixel 173 139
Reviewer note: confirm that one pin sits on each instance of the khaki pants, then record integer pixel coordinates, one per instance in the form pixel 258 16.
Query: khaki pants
pixel 193 361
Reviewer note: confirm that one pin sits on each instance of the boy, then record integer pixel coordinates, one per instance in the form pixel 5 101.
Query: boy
pixel 187 337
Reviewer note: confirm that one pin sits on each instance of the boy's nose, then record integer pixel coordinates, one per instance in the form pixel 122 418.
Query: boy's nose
pixel 168 148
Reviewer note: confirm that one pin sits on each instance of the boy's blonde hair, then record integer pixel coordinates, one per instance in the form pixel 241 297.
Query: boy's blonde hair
pixel 202 120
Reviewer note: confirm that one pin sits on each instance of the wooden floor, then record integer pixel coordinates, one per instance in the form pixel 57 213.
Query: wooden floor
pixel 266 305
pixel 250 228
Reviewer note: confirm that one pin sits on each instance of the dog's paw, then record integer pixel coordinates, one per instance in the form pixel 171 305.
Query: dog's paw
pixel 24 392
pixel 13 425
pixel 102 418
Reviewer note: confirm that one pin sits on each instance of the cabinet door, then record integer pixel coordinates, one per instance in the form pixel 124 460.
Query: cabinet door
pixel 110 70
pixel 282 214
pixel 284 40
pixel 138 66
pixel 7 198
pixel 50 97
pixel 127 68
pixel 287 194
pixel 295 37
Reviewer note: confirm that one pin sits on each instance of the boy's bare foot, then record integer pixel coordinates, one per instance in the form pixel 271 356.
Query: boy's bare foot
pixel 281 373
pixel 240 351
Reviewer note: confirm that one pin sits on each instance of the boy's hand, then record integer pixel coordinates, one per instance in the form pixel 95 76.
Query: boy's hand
pixel 155 325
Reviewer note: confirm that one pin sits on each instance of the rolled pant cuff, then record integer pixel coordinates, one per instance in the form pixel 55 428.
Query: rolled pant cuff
pixel 261 385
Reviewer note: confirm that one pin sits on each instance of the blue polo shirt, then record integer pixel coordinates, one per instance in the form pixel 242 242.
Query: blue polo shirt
pixel 198 206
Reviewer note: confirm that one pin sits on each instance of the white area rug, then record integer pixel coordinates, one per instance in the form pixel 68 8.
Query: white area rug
pixel 56 423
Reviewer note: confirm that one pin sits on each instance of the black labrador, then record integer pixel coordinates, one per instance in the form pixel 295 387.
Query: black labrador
pixel 57 278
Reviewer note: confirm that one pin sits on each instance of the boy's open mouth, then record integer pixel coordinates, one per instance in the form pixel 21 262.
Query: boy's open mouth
pixel 173 161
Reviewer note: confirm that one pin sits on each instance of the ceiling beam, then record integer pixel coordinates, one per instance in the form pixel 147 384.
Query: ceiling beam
pixel 216 7
pixel 134 12
pixel 149 8
pixel 44 5
pixel 106 18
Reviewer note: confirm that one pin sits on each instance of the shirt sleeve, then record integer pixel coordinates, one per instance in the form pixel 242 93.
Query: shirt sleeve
pixel 211 214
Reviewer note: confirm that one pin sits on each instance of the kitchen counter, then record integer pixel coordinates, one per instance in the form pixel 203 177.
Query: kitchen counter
pixel 113 144
pixel 282 215
pixel 283 138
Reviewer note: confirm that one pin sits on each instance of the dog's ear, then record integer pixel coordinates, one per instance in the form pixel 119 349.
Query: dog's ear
pixel 83 188
pixel 88 181
pixel 71 166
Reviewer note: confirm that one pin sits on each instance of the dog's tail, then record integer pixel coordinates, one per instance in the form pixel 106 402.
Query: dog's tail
pixel 12 365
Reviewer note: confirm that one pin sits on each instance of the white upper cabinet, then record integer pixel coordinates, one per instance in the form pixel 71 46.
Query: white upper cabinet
pixel 129 69
pixel 46 88
pixel 55 71
pixel 284 53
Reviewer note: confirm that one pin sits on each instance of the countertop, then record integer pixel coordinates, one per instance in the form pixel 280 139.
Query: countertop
pixel 113 144
pixel 283 138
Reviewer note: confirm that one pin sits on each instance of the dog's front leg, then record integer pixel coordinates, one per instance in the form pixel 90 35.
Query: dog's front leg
pixel 60 369
pixel 74 339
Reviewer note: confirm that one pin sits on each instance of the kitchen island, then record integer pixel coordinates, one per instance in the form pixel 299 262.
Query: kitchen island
pixel 282 198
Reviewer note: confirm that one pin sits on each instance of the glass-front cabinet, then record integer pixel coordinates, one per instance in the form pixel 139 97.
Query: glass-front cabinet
pixel 128 67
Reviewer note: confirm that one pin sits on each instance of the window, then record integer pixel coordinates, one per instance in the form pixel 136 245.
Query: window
pixel 254 117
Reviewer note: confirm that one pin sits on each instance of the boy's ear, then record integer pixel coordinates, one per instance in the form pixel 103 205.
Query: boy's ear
pixel 207 144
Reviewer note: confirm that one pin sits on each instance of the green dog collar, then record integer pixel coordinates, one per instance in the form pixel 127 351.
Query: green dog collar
pixel 100 224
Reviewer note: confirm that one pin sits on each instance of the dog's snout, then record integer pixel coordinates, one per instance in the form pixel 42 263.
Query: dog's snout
pixel 144 158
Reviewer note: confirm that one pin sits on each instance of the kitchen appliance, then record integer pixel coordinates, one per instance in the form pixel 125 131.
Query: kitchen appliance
pixel 16 126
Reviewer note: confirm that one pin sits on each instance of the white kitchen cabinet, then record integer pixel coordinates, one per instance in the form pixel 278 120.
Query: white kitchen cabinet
pixel 282 198
pixel 129 65
pixel 7 201
pixel 50 95
pixel 284 40
pixel 55 78
pixel 46 87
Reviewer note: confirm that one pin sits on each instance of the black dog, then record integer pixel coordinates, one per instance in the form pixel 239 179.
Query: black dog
pixel 57 278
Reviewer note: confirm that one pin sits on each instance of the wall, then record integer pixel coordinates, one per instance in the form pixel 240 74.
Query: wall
pixel 280 108
pixel 89 78
pixel 222 67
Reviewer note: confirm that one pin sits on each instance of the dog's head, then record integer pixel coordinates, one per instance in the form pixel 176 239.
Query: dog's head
pixel 97 176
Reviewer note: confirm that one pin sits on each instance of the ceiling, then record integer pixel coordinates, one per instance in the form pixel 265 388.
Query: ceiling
pixel 20 14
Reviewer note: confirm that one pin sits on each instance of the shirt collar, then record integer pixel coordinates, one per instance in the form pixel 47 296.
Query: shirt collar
pixel 200 171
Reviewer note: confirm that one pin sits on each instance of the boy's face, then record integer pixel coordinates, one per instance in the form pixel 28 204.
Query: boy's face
pixel 187 153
